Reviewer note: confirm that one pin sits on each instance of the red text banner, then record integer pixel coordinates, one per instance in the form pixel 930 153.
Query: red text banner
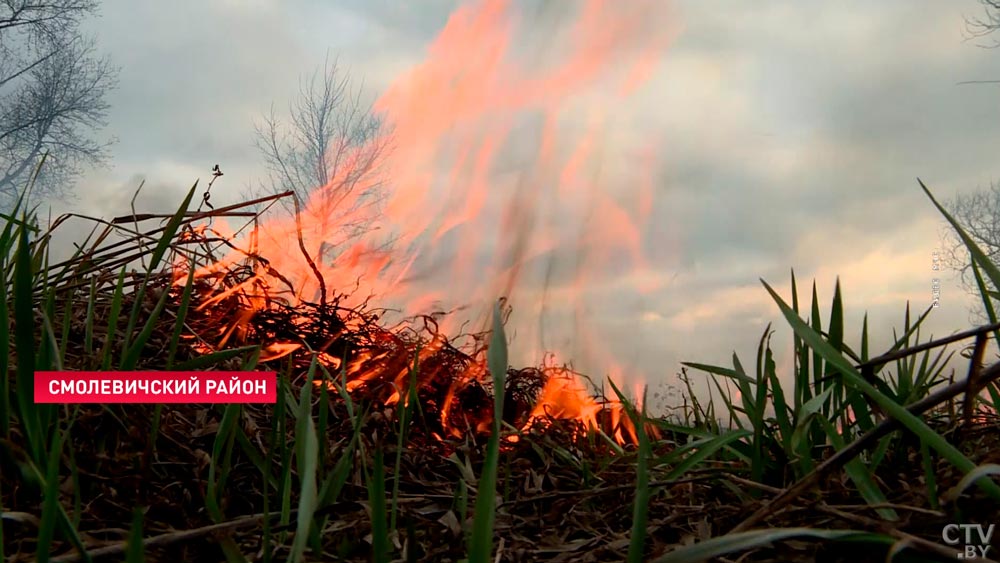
pixel 155 387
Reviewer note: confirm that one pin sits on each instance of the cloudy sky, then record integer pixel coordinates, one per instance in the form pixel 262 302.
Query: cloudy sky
pixel 790 135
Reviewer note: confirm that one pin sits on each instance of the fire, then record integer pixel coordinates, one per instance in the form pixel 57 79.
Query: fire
pixel 565 396
pixel 276 350
pixel 454 230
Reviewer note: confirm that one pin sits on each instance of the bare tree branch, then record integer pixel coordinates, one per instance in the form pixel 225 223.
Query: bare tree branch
pixel 982 26
pixel 52 95
pixel 52 17
pixel 979 214
pixel 328 152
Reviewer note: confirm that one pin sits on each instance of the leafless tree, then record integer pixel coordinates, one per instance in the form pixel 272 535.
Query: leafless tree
pixel 330 140
pixel 52 95
pixel 979 214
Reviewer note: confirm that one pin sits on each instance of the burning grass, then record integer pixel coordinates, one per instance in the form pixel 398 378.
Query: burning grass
pixel 394 442
pixel 375 363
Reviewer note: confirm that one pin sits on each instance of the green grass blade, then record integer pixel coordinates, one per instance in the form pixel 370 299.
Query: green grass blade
pixel 336 479
pixel 113 314
pixel 166 239
pixel 704 449
pixel 757 417
pixel 978 256
pixel 981 472
pixel 725 372
pixel 481 542
pixel 376 496
pixel 640 505
pixel 24 342
pixel 779 402
pixel 802 384
pixel 167 236
pixel 817 325
pixel 987 302
pixel 207 360
pixel 5 407
pixel 307 453
pixel 134 551
pixel 131 357
pixel 218 468
pixel 801 444
pixel 861 476
pixel 930 476
pixel 50 503
pixel 892 408
pixel 88 329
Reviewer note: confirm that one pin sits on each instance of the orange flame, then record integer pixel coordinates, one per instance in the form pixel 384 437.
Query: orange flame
pixel 462 230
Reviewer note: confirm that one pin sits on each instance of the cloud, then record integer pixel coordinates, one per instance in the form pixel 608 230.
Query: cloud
pixel 719 306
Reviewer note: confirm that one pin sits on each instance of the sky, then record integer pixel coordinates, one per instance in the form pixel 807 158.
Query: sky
pixel 790 135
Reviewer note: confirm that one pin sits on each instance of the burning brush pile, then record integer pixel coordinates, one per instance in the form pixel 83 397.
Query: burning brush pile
pixel 423 215
pixel 247 303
